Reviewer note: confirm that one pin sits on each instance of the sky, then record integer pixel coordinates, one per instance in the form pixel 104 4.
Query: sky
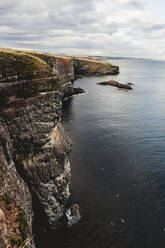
pixel 157 8
pixel 123 28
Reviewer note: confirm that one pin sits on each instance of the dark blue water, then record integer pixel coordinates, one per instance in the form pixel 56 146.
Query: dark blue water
pixel 118 159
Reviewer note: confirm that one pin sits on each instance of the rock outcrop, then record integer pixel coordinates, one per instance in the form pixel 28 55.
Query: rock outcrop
pixel 34 148
pixel 15 197
pixel 117 84
pixel 88 67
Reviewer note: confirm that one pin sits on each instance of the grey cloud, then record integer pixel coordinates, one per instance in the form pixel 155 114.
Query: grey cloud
pixel 84 27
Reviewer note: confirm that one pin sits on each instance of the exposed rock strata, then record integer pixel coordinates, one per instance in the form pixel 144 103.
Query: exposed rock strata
pixel 34 148
pixel 88 67
pixel 116 84
pixel 15 198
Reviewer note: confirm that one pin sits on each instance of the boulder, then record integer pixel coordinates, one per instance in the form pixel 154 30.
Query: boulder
pixel 77 91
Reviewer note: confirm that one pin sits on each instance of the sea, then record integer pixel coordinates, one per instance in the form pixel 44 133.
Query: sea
pixel 117 160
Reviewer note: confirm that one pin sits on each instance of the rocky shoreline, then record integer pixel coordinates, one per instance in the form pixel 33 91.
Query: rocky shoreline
pixel 34 147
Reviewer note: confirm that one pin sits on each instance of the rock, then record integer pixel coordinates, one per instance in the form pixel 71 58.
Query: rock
pixel 75 91
pixel 78 77
pixel 15 197
pixel 33 143
pixel 34 147
pixel 87 66
pixel 73 215
pixel 78 91
pixel 3 230
pixel 116 84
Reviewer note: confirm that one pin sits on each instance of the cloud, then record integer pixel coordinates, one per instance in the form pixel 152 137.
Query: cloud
pixel 101 27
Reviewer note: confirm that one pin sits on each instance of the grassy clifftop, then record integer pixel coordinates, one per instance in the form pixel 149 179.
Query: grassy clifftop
pixel 20 64
pixel 22 75
pixel 95 67
pixel 23 64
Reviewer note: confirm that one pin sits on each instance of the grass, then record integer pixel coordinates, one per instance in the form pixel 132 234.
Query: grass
pixel 16 221
pixel 94 66
pixel 25 64
pixel 26 242
pixel 7 200
pixel 23 230
pixel 19 244
pixel 17 63
pixel 23 225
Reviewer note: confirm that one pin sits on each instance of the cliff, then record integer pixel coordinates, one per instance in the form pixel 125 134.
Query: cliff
pixel 88 67
pixel 15 198
pixel 34 148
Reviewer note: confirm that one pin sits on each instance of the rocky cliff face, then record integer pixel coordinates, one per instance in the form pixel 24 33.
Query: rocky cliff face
pixel 15 198
pixel 34 148
pixel 88 67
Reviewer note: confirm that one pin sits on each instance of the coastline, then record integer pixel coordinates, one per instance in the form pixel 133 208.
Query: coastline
pixel 32 86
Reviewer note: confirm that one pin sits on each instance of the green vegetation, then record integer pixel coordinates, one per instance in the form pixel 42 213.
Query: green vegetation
pixel 7 200
pixel 15 242
pixel 23 225
pixel 20 63
pixel 23 229
pixel 93 66
pixel 37 69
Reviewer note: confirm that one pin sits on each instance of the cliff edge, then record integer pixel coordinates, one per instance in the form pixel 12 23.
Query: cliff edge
pixel 34 147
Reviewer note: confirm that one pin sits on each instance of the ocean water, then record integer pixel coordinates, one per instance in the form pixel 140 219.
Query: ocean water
pixel 118 160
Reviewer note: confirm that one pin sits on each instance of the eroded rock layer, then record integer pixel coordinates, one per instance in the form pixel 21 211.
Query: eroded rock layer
pixel 15 198
pixel 41 150
pixel 34 148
